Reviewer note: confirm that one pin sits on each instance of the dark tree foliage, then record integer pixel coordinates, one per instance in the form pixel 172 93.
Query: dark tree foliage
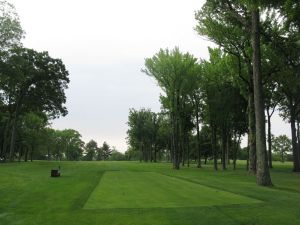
pixel 30 81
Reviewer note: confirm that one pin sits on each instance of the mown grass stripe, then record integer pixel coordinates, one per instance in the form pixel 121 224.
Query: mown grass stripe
pixel 155 190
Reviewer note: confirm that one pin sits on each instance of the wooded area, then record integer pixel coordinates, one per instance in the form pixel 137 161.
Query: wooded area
pixel 253 71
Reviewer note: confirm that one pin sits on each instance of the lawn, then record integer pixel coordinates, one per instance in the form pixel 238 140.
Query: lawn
pixel 119 189
pixel 144 193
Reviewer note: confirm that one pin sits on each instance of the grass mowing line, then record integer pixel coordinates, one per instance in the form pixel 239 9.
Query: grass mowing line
pixel 158 209
pixel 216 187
pixel 82 199
pixel 286 189
pixel 154 190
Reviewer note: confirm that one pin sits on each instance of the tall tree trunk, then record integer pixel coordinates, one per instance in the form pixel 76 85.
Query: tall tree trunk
pixel 251 135
pixel 235 149
pixel 298 138
pixel 214 146
pixel 155 149
pixel 198 144
pixel 26 154
pixel 188 150
pixel 296 158
pixel 5 140
pixel 224 140
pixel 31 153
pixel 20 154
pixel 269 139
pixel 151 153
pixel 171 146
pixel 175 126
pixel 141 151
pixel 198 137
pixel 13 139
pixel 247 166
pixel 48 151
pixel 14 127
pixel 228 147
pixel 262 175
pixel 182 153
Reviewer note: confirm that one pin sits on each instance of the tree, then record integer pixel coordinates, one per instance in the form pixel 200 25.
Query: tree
pixel 11 31
pixel 90 150
pixel 106 151
pixel 137 131
pixel 143 133
pixel 282 145
pixel 285 45
pixel 31 81
pixel 227 24
pixel 32 126
pixel 99 154
pixel 49 140
pixel 263 174
pixel 11 34
pixel 224 108
pixel 197 98
pixel 175 73
pixel 71 144
pixel 116 155
pixel 240 17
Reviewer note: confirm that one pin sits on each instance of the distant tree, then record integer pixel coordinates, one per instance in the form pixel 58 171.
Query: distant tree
pixel 31 128
pixel 131 154
pixel 282 145
pixel 11 31
pixel 72 144
pixel 106 151
pixel 90 150
pixel 116 155
pixel 99 154
pixel 49 141
pixel 142 132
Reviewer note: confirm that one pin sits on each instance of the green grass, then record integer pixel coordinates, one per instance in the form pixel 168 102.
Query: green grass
pixel 144 193
pixel 125 189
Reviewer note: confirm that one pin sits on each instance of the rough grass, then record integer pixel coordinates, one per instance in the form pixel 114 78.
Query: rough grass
pixel 29 196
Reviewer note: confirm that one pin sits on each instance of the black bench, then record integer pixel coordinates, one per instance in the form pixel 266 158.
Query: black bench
pixel 55 173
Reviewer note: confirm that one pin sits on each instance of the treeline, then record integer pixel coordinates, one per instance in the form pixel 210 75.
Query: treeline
pixel 105 152
pixel 254 71
pixel 150 140
pixel 35 140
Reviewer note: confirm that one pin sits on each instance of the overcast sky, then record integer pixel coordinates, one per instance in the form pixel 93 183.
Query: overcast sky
pixel 103 44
